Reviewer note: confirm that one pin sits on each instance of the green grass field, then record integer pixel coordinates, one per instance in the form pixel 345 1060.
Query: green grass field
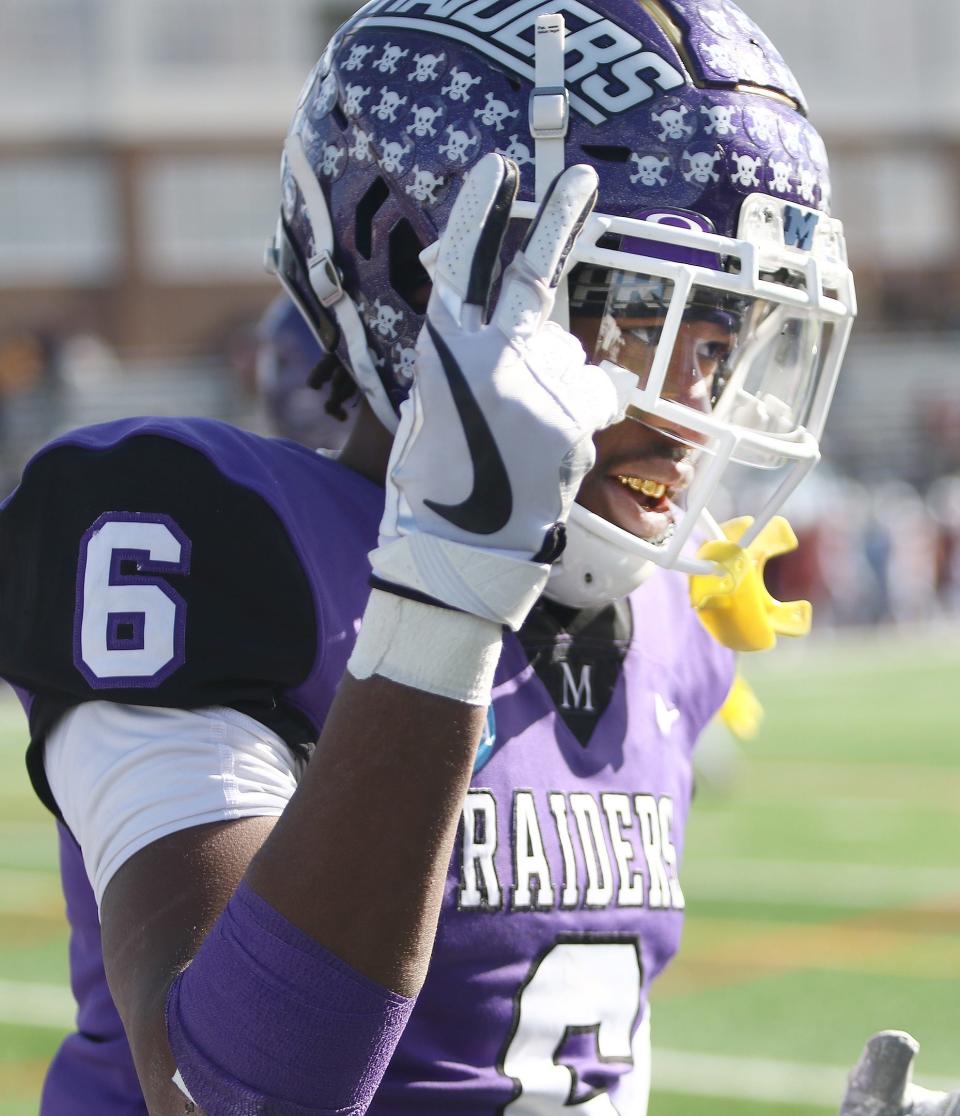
pixel 822 877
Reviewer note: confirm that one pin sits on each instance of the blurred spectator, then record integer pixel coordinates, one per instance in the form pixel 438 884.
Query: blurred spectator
pixel 912 543
pixel 943 502
pixel 239 344
pixel 23 360
pixel 873 554
pixel 87 363
pixel 30 377
pixel 939 425
pixel 287 354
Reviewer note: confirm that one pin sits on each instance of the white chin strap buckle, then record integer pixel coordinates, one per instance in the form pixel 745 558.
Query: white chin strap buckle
pixel 549 114
pixel 549 121
pixel 325 279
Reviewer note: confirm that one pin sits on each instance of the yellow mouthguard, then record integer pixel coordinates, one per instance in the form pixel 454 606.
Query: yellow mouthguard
pixel 742 712
pixel 734 606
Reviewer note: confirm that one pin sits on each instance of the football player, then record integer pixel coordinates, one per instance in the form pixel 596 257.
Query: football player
pixel 582 254
pixel 297 398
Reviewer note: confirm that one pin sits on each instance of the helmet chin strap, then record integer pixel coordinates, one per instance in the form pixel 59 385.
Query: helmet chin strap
pixel 590 573
pixel 549 121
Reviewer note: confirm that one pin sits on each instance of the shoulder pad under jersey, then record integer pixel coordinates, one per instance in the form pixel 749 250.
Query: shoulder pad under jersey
pixel 133 569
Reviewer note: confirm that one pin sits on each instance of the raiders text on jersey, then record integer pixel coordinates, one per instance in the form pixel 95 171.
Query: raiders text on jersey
pixel 634 828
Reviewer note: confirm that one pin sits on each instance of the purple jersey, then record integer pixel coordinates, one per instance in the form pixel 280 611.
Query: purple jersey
pixel 563 899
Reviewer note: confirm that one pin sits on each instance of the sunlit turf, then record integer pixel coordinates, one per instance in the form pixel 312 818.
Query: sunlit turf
pixel 24 1055
pixel 813 1014
pixel 33 938
pixel 822 877
pixel 680 1104
pixel 823 873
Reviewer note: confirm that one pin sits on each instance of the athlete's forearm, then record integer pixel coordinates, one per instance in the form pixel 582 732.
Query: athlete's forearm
pixel 333 927
pixel 359 859
pixel 299 994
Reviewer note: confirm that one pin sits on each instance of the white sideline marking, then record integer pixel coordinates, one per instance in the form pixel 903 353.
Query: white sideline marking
pixel 36 1005
pixel 761 1079
pixel 844 885
pixel 674 1071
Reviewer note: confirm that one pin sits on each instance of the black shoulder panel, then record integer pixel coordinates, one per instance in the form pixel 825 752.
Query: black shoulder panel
pixel 139 573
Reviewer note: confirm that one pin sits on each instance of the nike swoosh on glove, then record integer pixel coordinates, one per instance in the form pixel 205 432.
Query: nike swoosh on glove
pixel 496 434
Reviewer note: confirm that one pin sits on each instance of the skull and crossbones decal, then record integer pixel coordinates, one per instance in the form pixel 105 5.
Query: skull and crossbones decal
pixel 392 156
pixel 721 119
pixel 517 151
pixel 332 154
pixel 357 54
pixel 494 112
pixel 746 170
pixel 650 169
pixel 387 62
pixel 671 123
pixel 354 98
pixel 458 87
pixel 362 149
pixel 425 67
pixel 780 176
pixel 702 165
pixel 383 318
pixel 424 186
pixel 422 120
pixel 389 103
pixel 456 146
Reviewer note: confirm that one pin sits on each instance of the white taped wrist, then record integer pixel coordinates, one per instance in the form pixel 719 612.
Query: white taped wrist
pixel 486 583
pixel 453 654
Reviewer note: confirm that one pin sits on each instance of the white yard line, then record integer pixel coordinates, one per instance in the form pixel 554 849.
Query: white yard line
pixel 674 1071
pixel 761 1079
pixel 36 1005
pixel 796 881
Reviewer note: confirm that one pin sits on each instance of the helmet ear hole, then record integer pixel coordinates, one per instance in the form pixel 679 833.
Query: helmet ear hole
pixel 370 203
pixel 606 153
pixel 408 277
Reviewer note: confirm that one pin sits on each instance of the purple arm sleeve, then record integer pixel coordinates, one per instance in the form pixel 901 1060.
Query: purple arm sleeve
pixel 265 1019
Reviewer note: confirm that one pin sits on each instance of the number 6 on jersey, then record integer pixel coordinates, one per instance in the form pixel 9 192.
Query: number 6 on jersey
pixel 129 625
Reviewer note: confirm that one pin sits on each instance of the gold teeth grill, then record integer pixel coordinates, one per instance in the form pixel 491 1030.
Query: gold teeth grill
pixel 648 487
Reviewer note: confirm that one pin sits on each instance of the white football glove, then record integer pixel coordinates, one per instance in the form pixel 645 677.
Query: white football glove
pixel 880 1085
pixel 496 434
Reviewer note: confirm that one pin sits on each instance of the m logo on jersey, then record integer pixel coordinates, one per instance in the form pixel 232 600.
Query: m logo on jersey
pixel 577 694
pixel 608 70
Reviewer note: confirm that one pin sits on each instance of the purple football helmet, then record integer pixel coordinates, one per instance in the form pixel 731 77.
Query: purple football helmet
pixel 714 201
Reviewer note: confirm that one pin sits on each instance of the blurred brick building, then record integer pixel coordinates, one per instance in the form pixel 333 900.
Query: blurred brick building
pixel 139 144
pixel 139 147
